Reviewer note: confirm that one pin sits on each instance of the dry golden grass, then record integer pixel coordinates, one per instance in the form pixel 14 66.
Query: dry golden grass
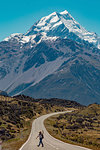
pixel 86 137
pixel 21 133
pixel 17 142
pixel 3 98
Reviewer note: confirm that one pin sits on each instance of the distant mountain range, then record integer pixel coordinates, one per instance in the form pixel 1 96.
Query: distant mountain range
pixel 56 57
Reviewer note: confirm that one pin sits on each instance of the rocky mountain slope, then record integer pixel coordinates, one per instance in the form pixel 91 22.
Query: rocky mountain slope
pixel 57 57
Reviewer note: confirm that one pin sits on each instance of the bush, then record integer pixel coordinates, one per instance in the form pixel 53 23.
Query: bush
pixel 79 120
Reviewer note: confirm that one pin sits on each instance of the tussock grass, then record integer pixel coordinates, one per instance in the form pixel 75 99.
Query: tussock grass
pixel 16 118
pixel 81 127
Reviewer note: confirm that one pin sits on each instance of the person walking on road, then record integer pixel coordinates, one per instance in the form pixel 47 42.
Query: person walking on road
pixel 40 136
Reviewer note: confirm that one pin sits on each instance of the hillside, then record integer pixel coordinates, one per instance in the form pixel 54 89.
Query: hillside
pixel 17 113
pixel 80 127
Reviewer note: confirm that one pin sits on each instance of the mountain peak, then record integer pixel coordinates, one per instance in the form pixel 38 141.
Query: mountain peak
pixel 64 12
pixel 56 24
pixel 54 13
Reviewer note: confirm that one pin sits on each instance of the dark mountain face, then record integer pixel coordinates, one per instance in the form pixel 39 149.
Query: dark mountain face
pixel 52 60
pixel 77 78
pixel 3 93
pixel 79 82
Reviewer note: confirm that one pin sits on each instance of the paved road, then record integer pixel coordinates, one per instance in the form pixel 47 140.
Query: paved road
pixel 50 143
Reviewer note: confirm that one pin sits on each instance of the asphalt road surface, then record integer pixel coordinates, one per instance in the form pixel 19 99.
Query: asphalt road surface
pixel 50 143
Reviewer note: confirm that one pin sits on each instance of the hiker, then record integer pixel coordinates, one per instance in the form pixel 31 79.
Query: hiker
pixel 40 136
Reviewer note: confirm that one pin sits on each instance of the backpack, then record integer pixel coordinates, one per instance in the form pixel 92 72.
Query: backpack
pixel 42 136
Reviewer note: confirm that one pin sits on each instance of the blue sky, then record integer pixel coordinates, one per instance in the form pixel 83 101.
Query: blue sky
pixel 17 16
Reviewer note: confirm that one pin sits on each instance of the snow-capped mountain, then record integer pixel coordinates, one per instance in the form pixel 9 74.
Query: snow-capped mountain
pixel 57 25
pixel 56 57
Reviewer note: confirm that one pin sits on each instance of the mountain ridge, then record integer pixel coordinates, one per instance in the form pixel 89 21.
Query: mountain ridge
pixel 56 19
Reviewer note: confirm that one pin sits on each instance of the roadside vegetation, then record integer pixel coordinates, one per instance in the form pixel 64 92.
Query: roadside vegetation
pixel 81 127
pixel 17 114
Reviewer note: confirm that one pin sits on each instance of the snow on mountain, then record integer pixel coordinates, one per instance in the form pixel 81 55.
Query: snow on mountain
pixel 19 37
pixel 64 19
pixel 59 25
